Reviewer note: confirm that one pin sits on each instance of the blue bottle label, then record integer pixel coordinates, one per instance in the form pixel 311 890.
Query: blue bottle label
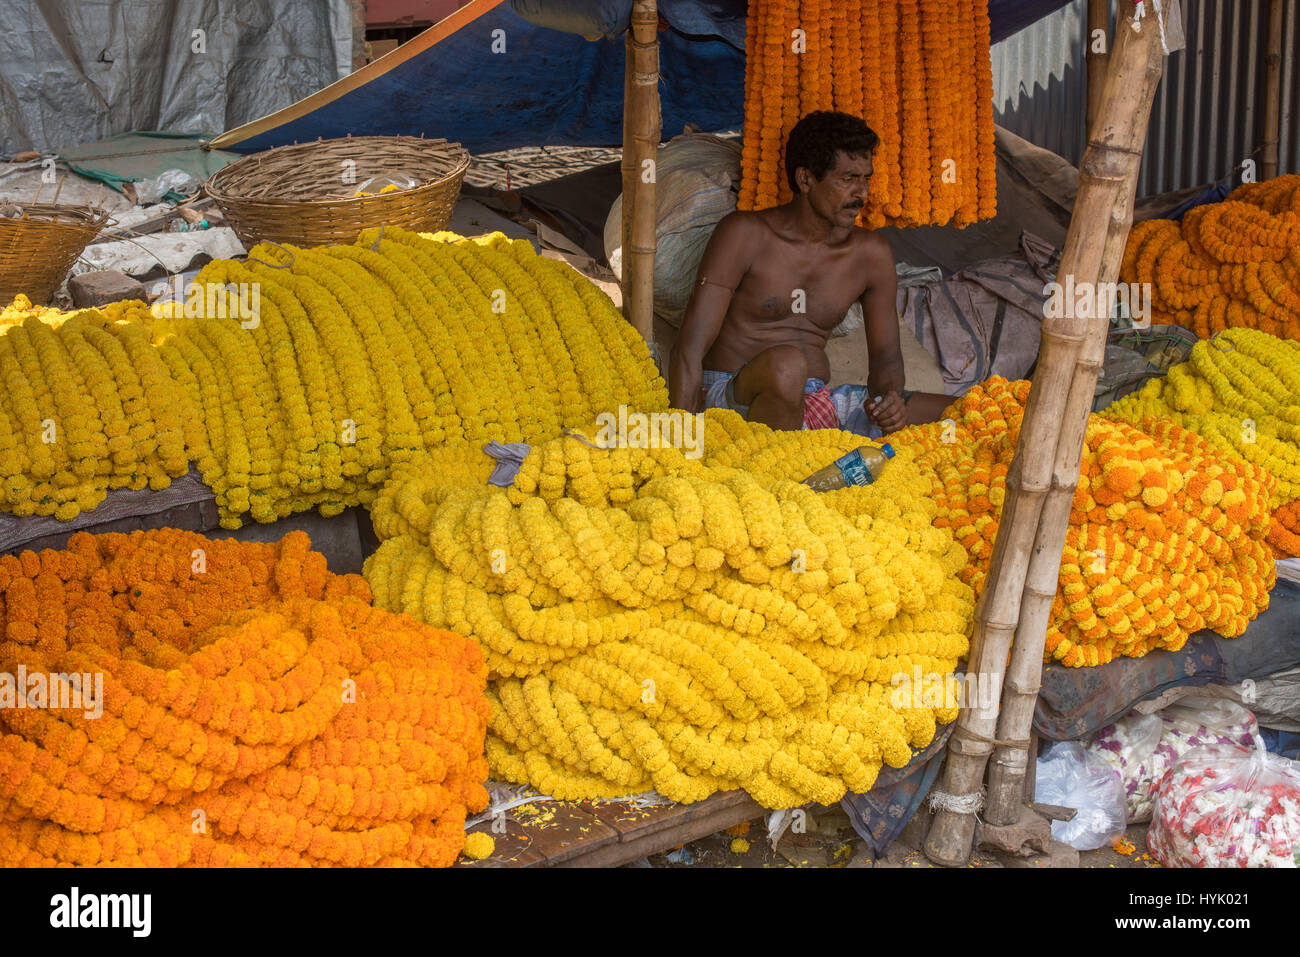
pixel 854 470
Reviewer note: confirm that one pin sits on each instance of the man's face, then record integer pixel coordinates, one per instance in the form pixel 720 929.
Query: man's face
pixel 841 193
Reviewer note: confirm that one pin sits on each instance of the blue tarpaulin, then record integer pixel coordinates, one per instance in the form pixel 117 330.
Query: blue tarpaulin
pixel 492 80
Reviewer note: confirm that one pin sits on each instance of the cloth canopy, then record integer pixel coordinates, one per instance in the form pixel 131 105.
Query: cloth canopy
pixel 493 79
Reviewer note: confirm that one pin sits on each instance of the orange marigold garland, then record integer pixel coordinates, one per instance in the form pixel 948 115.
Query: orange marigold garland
pixel 918 73
pixel 1167 533
pixel 1228 265
pixel 253 709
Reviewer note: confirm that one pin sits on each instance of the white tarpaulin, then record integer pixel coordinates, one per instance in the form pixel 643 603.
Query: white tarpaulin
pixel 74 71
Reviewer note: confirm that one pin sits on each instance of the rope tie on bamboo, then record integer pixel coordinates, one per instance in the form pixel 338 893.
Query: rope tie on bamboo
pixel 1140 11
pixel 957 803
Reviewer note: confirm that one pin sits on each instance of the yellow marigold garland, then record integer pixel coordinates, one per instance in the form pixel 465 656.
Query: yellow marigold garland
pixel 256 711
pixel 1166 532
pixel 652 621
pixel 918 73
pixel 1240 392
pixel 360 358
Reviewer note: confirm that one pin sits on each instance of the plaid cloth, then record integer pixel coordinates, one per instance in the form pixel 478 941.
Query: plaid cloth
pixel 823 407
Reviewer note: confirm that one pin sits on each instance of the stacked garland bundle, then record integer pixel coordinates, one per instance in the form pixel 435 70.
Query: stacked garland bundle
pixel 652 621
pixel 300 383
pixel 88 406
pixel 1166 532
pixel 917 72
pixel 1228 265
pixel 254 711
pixel 1240 391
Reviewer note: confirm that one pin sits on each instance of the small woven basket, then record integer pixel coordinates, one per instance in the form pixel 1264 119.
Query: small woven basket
pixel 39 247
pixel 304 194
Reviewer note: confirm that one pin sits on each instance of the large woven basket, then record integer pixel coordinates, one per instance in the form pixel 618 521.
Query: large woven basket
pixel 304 194
pixel 39 247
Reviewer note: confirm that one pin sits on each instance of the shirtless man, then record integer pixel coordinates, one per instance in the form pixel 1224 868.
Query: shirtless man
pixel 774 283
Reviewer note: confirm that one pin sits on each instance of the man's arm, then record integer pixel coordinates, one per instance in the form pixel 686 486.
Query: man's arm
pixel 885 376
pixel 722 267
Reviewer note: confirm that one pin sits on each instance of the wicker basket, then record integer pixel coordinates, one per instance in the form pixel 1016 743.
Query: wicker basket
pixel 304 194
pixel 39 247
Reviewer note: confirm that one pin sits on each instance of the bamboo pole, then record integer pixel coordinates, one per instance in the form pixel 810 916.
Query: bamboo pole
pixel 642 126
pixel 1098 19
pixel 1111 166
pixel 1035 469
pixel 1272 90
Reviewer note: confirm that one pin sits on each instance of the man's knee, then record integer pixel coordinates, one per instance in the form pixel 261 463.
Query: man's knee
pixel 780 370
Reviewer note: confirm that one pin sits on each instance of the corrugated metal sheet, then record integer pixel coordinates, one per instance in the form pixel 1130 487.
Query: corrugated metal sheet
pixel 1207 118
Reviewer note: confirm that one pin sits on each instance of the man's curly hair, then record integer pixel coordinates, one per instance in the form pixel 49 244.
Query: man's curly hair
pixel 817 137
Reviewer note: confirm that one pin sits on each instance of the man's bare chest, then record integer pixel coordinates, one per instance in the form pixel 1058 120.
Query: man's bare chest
pixel 778 292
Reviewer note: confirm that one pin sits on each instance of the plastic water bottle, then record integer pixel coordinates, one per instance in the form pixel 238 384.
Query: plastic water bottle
pixel 862 466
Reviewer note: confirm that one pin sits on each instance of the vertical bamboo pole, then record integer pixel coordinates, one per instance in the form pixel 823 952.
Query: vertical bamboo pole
pixel 1098 19
pixel 1111 166
pixel 642 126
pixel 1036 469
pixel 1272 90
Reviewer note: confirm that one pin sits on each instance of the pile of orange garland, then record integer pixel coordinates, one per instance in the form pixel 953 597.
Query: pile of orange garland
pixel 1167 533
pixel 241 706
pixel 1228 265
pixel 917 72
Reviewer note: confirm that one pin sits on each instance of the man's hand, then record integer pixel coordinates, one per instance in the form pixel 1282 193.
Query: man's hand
pixel 889 411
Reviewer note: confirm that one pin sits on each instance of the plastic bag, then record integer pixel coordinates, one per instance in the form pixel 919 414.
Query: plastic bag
pixel 1129 746
pixel 1226 806
pixel 1070 776
pixel 1142 748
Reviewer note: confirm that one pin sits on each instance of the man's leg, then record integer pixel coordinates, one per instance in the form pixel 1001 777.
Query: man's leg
pixel 925 407
pixel 771 384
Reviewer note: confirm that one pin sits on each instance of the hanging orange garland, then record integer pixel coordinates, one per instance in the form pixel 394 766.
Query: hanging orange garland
pixel 918 73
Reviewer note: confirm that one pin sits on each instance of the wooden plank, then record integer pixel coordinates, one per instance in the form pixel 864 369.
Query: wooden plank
pixel 634 822
pixel 683 832
pixel 557 832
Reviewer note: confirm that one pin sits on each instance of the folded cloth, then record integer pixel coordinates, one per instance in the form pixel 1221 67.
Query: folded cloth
pixel 823 407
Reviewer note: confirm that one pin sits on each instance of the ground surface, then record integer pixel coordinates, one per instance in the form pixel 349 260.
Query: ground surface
pixel 830 841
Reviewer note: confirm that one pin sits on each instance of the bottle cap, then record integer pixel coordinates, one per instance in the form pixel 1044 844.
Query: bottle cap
pixel 888 450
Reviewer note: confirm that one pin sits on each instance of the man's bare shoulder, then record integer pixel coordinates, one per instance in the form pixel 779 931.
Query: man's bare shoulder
pixel 739 223
pixel 873 245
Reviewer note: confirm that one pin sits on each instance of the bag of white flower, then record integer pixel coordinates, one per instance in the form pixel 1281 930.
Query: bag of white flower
pixel 1070 776
pixel 1226 806
pixel 1142 748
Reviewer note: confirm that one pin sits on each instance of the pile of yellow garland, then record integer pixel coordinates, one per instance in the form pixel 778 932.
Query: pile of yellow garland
pixel 1229 265
pixel 653 621
pixel 1166 532
pixel 358 358
pixel 241 706
pixel 917 72
pixel 1240 392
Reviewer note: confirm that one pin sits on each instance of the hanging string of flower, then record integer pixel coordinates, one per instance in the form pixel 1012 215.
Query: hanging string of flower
pixel 301 382
pixel 1166 532
pixel 917 72
pixel 1240 392
pixel 655 621
pixel 235 704
pixel 1229 265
